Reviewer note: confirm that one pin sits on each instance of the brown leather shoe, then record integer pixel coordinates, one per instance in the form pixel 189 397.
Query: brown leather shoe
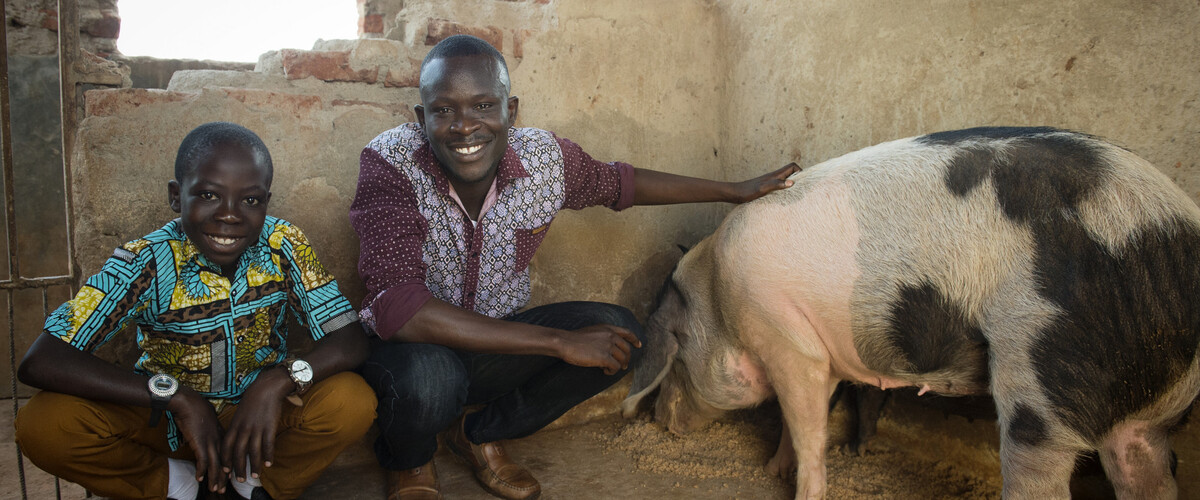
pixel 420 483
pixel 495 471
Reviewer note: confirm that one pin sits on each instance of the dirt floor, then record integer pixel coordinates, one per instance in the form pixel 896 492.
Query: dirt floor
pixel 920 452
pixel 613 458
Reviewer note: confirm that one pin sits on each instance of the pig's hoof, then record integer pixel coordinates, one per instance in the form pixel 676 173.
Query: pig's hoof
pixel 784 468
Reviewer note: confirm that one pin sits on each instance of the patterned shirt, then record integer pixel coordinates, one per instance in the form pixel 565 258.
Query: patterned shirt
pixel 416 242
pixel 194 324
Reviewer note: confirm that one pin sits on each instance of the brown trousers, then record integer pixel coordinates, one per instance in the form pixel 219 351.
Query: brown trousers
pixel 108 448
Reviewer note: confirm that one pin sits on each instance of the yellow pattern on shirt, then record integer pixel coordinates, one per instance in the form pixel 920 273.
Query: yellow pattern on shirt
pixel 192 358
pixel 82 307
pixel 217 285
pixel 248 342
pixel 312 274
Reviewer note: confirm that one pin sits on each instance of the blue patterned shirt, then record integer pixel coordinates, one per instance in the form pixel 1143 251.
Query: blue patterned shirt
pixel 212 334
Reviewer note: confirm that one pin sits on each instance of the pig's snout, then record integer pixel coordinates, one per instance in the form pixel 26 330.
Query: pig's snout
pixel 678 410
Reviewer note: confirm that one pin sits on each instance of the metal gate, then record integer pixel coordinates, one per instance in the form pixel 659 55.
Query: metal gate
pixel 16 282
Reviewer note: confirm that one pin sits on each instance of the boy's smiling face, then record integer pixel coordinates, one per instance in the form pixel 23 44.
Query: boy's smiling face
pixel 222 203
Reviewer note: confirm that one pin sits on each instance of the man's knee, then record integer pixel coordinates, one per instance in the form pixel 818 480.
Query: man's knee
pixel 417 383
pixel 619 316
pixel 50 426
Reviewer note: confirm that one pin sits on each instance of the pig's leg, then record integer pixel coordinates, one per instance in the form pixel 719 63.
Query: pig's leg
pixel 783 464
pixel 1036 473
pixel 1036 457
pixel 869 402
pixel 1137 459
pixel 804 386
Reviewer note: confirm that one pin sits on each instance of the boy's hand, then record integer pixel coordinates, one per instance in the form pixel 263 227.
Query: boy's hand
pixel 251 434
pixel 757 187
pixel 197 421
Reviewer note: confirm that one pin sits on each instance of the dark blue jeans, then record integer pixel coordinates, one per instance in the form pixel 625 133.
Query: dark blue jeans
pixel 422 388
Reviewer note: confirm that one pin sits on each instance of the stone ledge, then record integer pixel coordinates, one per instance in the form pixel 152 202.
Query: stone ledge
pixel 328 66
pixel 297 104
pixel 110 102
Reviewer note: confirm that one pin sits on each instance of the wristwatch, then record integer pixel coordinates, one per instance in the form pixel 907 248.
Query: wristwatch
pixel 302 375
pixel 162 387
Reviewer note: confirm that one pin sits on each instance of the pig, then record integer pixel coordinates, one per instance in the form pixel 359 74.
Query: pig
pixel 1048 268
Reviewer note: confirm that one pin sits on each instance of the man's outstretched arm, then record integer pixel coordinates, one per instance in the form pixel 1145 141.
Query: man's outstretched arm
pixel 660 188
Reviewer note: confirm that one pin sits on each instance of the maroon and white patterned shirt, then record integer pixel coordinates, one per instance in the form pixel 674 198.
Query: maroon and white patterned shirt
pixel 416 242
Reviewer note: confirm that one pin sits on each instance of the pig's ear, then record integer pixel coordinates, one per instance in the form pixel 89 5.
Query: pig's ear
pixel 656 362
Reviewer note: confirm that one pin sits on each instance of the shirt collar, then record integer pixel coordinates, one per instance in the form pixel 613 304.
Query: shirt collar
pixel 194 254
pixel 510 166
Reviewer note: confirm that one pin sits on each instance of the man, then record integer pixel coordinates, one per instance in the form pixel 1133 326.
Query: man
pixel 449 211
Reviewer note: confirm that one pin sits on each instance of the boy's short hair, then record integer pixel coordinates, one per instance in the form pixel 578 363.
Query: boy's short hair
pixel 467 45
pixel 200 142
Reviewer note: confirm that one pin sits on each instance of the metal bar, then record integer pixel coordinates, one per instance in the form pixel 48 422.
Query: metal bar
pixel 11 223
pixel 68 83
pixel 12 363
pixel 68 53
pixel 26 283
pixel 6 139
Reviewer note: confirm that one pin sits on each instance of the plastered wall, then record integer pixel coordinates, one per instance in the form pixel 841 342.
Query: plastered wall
pixel 815 79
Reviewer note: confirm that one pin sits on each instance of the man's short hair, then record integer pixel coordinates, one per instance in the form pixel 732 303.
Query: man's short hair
pixel 202 140
pixel 467 45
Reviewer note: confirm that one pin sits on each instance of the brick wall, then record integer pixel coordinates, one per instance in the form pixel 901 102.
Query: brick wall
pixel 33 26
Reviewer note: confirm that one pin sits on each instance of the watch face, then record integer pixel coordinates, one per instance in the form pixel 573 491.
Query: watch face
pixel 163 385
pixel 302 371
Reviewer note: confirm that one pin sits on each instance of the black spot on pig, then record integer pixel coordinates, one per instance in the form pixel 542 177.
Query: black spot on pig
pixel 952 137
pixel 1137 307
pixel 1026 426
pixel 934 334
pixel 1036 173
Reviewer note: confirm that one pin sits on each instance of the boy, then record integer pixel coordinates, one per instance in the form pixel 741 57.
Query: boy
pixel 208 292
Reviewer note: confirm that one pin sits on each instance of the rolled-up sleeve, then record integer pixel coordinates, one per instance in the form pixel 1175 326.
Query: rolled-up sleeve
pixel 589 182
pixel 391 233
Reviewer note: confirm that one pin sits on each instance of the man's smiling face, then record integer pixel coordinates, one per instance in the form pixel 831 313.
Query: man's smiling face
pixel 466 113
pixel 222 203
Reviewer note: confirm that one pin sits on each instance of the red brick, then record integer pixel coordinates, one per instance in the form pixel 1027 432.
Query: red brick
pixel 108 25
pixel 330 66
pixel 50 19
pixel 519 37
pixel 371 23
pixel 109 102
pixel 298 105
pixel 441 29
pixel 410 78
